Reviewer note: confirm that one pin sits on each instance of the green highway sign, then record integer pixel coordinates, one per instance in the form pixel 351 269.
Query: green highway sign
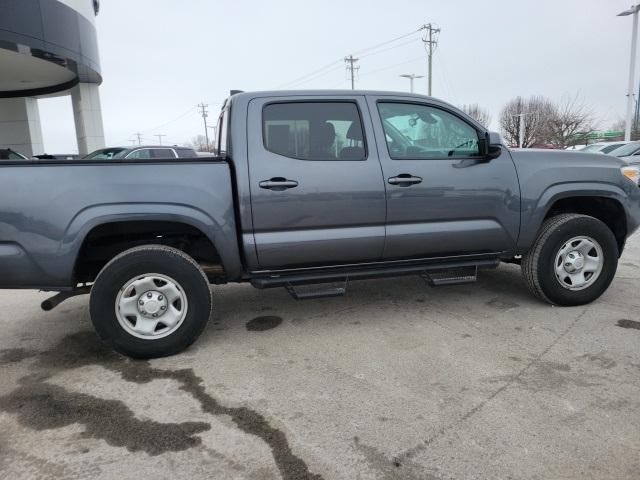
pixel 596 135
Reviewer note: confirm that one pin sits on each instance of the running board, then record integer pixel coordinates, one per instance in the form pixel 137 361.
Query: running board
pixel 296 278
pixel 458 276
pixel 302 292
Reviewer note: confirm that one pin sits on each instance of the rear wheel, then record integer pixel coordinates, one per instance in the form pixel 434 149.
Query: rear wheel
pixel 573 260
pixel 150 301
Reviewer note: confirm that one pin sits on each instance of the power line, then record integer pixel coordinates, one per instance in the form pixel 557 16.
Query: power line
pixel 351 69
pixel 139 135
pixel 377 52
pixel 179 117
pixel 309 74
pixel 322 74
pixel 360 52
pixel 421 57
pixel 328 67
pixel 159 138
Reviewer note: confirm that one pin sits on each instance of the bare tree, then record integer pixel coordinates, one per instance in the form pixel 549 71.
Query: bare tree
pixel 536 111
pixel 199 143
pixel 618 125
pixel 479 114
pixel 569 120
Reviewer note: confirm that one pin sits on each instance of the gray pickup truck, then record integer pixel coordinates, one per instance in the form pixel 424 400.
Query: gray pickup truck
pixel 308 190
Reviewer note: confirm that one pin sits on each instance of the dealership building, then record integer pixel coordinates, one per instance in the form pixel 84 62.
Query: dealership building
pixel 48 48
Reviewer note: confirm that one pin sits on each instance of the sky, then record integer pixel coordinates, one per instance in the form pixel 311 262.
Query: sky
pixel 160 58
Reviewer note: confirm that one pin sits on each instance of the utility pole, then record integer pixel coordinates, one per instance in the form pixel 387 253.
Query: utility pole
pixel 351 68
pixel 411 77
pixel 522 126
pixel 521 131
pixel 159 138
pixel 203 111
pixel 636 120
pixel 430 40
pixel 139 135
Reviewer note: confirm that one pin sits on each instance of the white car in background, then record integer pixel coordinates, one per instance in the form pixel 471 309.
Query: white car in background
pixel 604 147
pixel 628 152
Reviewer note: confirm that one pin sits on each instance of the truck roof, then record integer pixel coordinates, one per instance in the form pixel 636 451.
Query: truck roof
pixel 246 97
pixel 293 93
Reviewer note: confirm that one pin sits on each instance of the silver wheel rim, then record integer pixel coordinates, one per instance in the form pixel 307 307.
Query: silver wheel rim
pixel 579 263
pixel 151 306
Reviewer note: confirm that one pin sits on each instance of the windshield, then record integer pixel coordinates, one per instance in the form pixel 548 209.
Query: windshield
pixel 104 154
pixel 594 147
pixel 611 148
pixel 626 150
pixel 8 154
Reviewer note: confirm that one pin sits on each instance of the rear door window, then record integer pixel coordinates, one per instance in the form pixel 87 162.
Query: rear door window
pixel 314 130
pixel 163 153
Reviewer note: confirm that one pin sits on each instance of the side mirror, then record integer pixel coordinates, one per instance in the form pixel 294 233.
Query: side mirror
pixel 494 145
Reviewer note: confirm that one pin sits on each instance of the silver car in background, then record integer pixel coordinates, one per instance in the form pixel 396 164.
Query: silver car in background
pixel 628 152
pixel 603 147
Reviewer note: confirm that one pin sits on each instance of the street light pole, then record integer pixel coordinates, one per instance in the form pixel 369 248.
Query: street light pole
pixel 411 77
pixel 632 67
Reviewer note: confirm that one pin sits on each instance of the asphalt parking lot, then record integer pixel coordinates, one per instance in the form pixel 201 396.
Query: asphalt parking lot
pixel 395 380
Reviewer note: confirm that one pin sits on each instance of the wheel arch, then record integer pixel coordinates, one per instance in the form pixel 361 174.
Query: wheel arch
pixel 220 236
pixel 602 201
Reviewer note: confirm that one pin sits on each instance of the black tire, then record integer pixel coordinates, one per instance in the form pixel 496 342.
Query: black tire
pixel 538 264
pixel 147 259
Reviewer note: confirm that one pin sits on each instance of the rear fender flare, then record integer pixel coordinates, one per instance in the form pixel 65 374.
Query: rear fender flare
pixel 220 231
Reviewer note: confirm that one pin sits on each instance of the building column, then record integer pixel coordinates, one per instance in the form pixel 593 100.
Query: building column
pixel 20 128
pixel 87 114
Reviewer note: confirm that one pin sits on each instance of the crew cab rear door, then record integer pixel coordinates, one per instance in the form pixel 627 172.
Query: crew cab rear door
pixel 317 193
pixel 443 197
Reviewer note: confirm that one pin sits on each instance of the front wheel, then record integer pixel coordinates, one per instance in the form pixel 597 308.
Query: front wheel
pixel 573 260
pixel 150 301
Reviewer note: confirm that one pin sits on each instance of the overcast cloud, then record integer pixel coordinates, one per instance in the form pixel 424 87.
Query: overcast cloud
pixel 162 57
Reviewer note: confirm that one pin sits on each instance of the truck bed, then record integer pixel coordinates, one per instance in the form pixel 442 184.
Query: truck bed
pixel 47 207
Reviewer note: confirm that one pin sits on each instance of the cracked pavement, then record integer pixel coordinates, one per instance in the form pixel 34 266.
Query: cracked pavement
pixel 394 381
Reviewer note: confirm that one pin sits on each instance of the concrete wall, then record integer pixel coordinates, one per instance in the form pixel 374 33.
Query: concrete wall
pixel 20 125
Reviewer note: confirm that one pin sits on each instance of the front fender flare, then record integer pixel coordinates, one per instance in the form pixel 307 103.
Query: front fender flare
pixel 534 210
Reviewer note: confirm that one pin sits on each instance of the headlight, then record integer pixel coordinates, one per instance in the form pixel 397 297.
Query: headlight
pixel 632 173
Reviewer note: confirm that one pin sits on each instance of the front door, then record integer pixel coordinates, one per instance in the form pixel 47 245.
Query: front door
pixel 443 197
pixel 317 193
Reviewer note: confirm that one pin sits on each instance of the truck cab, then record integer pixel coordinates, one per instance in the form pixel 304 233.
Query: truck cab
pixel 344 177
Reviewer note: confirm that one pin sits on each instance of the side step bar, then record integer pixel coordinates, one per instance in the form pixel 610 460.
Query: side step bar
pixel 299 292
pixel 436 274
pixel 439 278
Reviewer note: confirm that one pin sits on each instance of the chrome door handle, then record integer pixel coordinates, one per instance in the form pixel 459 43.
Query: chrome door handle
pixel 404 180
pixel 278 184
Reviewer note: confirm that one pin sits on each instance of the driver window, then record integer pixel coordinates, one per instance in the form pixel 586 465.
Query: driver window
pixel 414 131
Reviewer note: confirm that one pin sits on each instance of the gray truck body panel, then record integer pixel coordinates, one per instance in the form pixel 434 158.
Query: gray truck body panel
pixel 547 176
pixel 47 210
pixel 342 212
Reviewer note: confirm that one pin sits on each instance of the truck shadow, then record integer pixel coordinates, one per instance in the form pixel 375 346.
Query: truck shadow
pixel 241 307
